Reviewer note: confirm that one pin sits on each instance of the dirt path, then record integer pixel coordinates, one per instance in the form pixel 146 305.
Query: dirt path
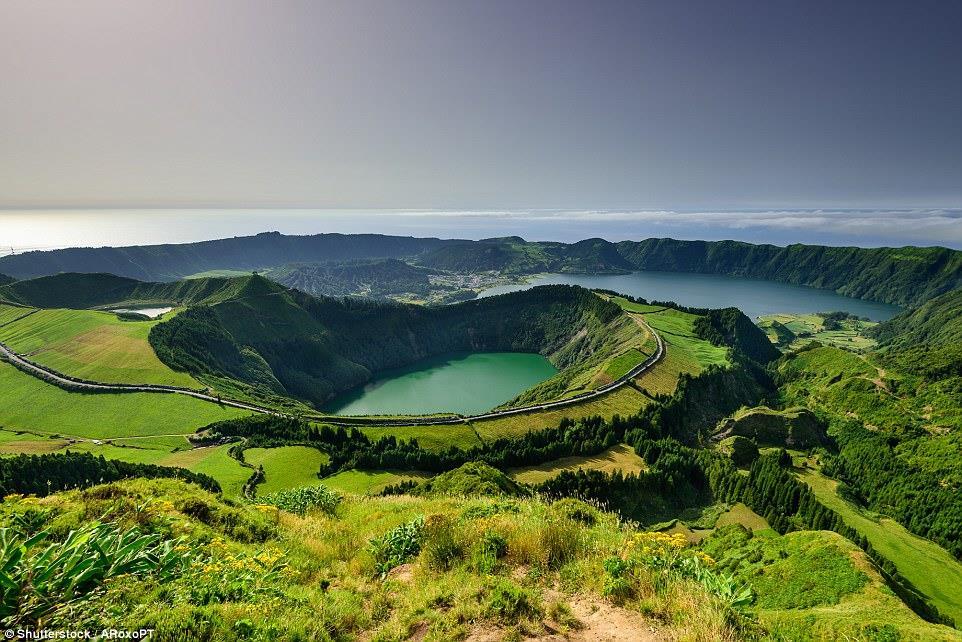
pixel 597 621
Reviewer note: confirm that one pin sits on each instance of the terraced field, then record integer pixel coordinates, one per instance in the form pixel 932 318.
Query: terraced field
pixel 811 327
pixel 89 344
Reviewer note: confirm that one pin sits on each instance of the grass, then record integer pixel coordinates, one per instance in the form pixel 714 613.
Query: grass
pixel 809 327
pixel 623 401
pixel 439 437
pixel 685 352
pixel 370 482
pixel 10 313
pixel 443 568
pixel 286 467
pixel 30 404
pixel 214 461
pixel 17 442
pixel 623 363
pixel 816 585
pixel 136 450
pixel 620 457
pixel 93 345
pixel 741 514
pixel 930 568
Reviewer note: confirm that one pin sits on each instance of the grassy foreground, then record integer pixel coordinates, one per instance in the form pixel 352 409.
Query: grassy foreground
pixel 430 568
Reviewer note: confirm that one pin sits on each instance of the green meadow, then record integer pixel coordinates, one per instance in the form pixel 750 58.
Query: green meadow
pixel 43 408
pixel 286 467
pixel 214 461
pixel 91 344
pixel 439 437
pixel 370 482
pixel 929 567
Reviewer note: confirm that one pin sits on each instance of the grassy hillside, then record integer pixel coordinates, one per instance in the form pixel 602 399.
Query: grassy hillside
pixel 311 348
pixel 896 416
pixel 937 322
pixel 439 568
pixel 905 276
pixel 815 585
pixel 286 467
pixel 376 278
pixel 31 404
pixel 926 343
pixel 84 291
pixel 88 344
pixel 621 457
pixel 927 566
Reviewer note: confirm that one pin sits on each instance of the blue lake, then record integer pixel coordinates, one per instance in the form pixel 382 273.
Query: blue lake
pixel 754 297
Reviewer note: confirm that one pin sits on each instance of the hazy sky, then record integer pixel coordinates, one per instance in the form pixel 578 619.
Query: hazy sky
pixel 487 104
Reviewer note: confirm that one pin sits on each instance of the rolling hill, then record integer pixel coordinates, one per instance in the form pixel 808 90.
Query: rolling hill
pixel 313 347
pixel 904 276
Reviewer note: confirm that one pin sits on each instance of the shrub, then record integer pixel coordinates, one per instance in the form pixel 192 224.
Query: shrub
pixel 301 500
pixel 398 545
pixel 509 603
pixel 36 580
pixel 487 550
pixel 442 546
pixel 618 579
pixel 577 510
pixel 228 574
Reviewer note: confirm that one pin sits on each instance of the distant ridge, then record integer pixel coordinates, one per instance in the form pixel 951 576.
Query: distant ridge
pixel 905 276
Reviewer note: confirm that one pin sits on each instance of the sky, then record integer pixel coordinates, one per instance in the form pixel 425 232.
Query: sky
pixel 684 109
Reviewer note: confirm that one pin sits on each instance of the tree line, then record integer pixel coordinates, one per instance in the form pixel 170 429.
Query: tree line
pixel 41 475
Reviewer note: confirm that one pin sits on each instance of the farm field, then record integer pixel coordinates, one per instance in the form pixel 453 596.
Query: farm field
pixel 47 409
pixel 214 461
pixel 718 515
pixel 13 442
pixel 621 457
pixel 370 482
pixel 439 437
pixel 286 467
pixel 623 401
pixel 91 344
pixel 811 327
pixel 926 565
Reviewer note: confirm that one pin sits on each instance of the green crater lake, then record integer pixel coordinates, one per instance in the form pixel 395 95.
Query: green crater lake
pixel 465 383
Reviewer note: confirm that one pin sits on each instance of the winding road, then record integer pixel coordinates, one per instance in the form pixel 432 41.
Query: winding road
pixel 75 384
